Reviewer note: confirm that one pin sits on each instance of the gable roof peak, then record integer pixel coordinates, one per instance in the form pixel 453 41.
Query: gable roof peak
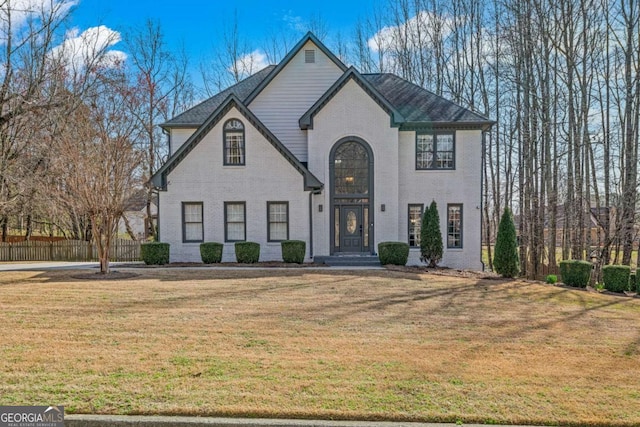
pixel 285 61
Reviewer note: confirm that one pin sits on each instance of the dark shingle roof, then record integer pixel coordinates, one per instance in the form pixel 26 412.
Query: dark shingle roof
pixel 414 104
pixel 418 105
pixel 197 115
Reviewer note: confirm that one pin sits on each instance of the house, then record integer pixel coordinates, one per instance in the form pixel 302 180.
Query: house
pixel 313 150
pixel 134 221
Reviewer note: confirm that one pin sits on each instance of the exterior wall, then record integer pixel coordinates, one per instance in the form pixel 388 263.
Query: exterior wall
pixel 352 112
pixel 177 137
pixel 201 177
pixel 461 185
pixel 291 93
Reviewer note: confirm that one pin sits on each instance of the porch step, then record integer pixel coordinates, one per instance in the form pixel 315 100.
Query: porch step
pixel 349 260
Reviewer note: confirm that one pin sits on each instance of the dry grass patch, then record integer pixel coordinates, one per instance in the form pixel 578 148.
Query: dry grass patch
pixel 304 343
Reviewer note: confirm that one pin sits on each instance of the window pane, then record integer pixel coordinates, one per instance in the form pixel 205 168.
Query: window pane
pixel 278 221
pixel 234 148
pixel 235 221
pixel 193 231
pixel 454 226
pixel 415 224
pixel 235 231
pixel 351 169
pixel 192 217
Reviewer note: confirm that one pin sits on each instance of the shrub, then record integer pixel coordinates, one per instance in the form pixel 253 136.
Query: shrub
pixel 616 277
pixel 430 236
pixel 637 284
pixel 211 252
pixel 552 279
pixel 632 282
pixel 505 260
pixel 154 253
pixel 575 273
pixel 293 251
pixel 394 253
pixel 247 252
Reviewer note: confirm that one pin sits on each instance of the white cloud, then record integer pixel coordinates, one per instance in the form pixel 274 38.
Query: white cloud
pixel 18 12
pixel 426 22
pixel 250 63
pixel 294 22
pixel 90 48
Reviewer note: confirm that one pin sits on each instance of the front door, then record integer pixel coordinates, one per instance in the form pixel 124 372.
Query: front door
pixel 351 228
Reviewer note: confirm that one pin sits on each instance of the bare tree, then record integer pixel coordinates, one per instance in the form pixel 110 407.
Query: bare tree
pixel 161 88
pixel 97 165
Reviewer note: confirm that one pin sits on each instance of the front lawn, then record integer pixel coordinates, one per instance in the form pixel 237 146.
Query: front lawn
pixel 322 344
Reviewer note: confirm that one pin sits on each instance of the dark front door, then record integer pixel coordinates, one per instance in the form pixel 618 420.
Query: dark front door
pixel 351 229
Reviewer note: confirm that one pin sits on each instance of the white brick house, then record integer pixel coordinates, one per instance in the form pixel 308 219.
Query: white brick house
pixel 312 150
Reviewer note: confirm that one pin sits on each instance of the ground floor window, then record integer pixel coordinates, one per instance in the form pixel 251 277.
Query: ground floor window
pixel 415 224
pixel 192 225
pixel 277 221
pixel 235 226
pixel 454 226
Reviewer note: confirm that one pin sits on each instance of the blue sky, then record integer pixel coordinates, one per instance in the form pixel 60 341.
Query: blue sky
pixel 198 24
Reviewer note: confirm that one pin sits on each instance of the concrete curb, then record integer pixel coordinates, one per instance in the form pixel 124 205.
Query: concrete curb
pixel 158 421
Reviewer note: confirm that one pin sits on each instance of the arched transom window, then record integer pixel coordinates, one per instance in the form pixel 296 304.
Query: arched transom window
pixel 351 169
pixel 234 142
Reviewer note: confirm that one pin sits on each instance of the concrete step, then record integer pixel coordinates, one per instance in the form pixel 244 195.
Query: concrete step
pixel 349 260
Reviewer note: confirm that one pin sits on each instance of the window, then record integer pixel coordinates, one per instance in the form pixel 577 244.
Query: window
pixel 415 224
pixel 233 143
pixel 192 230
pixel 235 229
pixel 435 151
pixel 454 226
pixel 277 221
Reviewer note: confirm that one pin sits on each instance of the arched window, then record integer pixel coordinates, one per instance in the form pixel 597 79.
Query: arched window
pixel 233 142
pixel 351 169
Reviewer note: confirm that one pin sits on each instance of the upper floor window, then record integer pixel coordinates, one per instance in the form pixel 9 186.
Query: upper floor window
pixel 435 150
pixel 233 142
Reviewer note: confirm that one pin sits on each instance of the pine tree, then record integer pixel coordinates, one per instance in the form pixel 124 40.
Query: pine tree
pixel 430 236
pixel 506 262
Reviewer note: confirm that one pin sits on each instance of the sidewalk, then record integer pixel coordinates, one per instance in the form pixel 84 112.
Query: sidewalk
pixel 154 421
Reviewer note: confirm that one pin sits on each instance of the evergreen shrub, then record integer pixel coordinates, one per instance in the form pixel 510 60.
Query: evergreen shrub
pixel 575 273
pixel 505 260
pixel 211 252
pixel 247 252
pixel 293 251
pixel 155 253
pixel 616 277
pixel 430 236
pixel 394 253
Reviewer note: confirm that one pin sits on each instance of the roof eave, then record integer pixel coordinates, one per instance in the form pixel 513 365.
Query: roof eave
pixel 483 125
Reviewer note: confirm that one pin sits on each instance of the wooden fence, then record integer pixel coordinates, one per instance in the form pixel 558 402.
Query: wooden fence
pixel 67 250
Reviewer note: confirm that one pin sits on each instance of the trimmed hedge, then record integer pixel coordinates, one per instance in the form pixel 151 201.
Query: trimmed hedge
pixel 154 253
pixel 293 251
pixel 575 273
pixel 247 252
pixel 616 277
pixel 394 253
pixel 633 282
pixel 637 284
pixel 211 252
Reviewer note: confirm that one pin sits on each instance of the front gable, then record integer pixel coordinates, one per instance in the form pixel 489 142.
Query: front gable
pixel 160 178
pixel 302 77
